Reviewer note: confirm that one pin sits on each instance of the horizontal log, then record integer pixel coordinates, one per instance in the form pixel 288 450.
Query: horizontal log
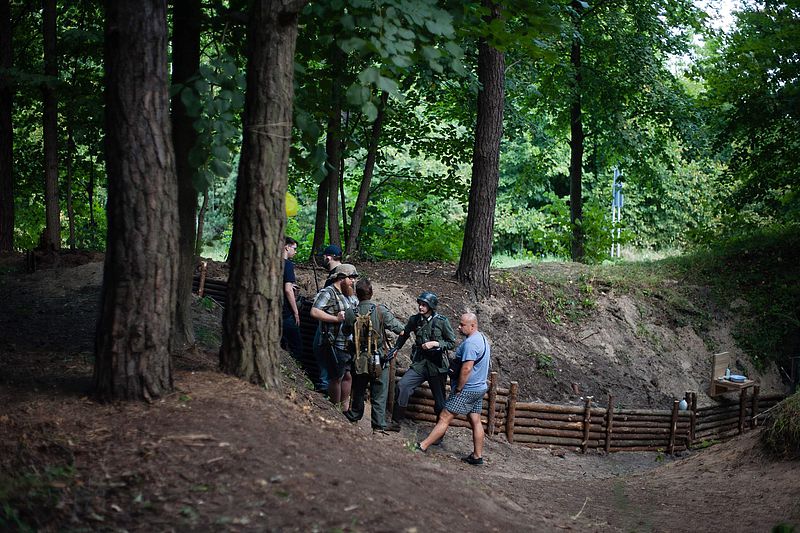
pixel 721 416
pixel 650 425
pixel 733 421
pixel 648 431
pixel 676 448
pixel 577 434
pixel 647 412
pixel 553 408
pixel 627 442
pixel 715 435
pixel 564 417
pixel 648 418
pixel 554 424
pixel 456 422
pixel 560 441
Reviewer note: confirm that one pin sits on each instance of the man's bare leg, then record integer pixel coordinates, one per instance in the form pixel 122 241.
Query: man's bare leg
pixel 477 434
pixel 438 431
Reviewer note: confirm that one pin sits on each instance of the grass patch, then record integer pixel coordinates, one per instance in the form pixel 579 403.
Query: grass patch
pixel 781 435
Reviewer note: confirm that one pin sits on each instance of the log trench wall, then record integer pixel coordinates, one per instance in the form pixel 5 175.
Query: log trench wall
pixel 588 426
pixel 591 426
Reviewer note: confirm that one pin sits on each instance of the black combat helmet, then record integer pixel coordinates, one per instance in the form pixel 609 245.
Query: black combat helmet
pixel 428 298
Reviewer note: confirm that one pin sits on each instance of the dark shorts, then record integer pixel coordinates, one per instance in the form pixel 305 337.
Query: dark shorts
pixel 465 402
pixel 337 361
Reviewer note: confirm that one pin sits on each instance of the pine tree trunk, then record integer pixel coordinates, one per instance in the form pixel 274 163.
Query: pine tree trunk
pixel 252 319
pixel 369 167
pixel 476 253
pixel 52 234
pixel 6 132
pixel 70 208
pixel 333 143
pixel 576 148
pixel 320 220
pixel 139 280
pixel 186 15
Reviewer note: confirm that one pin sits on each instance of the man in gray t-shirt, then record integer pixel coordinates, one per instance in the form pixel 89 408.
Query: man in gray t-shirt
pixel 466 388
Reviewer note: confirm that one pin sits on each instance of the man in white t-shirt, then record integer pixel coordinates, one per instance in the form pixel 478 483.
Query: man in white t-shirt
pixel 467 388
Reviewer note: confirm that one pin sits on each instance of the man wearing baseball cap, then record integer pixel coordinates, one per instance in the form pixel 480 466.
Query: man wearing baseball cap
pixel 330 257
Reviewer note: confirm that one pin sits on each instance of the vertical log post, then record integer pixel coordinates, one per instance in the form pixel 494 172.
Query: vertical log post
pixel 754 407
pixel 609 422
pixel 587 420
pixel 693 419
pixel 392 379
pixel 742 409
pixel 202 285
pixel 673 426
pixel 490 416
pixel 511 410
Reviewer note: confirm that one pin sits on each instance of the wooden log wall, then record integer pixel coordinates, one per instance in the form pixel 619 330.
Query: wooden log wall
pixel 587 426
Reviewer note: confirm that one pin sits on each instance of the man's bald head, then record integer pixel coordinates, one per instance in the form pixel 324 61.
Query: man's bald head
pixel 468 324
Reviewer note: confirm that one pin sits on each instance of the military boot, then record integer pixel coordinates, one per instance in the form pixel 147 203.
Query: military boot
pixel 398 414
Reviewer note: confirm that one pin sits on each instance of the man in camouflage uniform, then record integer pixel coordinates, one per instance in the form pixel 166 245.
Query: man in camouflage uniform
pixel 433 337
pixel 382 320
pixel 329 308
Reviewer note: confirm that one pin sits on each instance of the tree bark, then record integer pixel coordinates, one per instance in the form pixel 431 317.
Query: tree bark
pixel 139 280
pixel 476 253
pixel 369 167
pixel 576 145
pixel 333 142
pixel 6 132
pixel 52 233
pixel 252 320
pixel 320 220
pixel 70 207
pixel 186 16
pixel 201 220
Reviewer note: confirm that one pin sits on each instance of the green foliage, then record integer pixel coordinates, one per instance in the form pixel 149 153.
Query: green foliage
pixel 29 495
pixel 214 98
pixel 781 434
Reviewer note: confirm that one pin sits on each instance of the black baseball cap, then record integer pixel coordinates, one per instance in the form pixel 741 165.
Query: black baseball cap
pixel 332 250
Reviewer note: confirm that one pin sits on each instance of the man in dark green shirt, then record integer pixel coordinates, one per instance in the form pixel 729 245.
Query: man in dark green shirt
pixel 433 337
pixel 381 319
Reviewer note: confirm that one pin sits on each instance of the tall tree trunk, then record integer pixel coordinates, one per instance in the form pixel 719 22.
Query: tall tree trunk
pixel 70 209
pixel 476 253
pixel 333 142
pixel 321 218
pixel 90 196
pixel 252 320
pixel 201 221
pixel 6 132
pixel 369 167
pixel 141 267
pixel 186 15
pixel 576 145
pixel 52 233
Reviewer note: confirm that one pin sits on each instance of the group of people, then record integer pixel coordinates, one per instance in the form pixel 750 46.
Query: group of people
pixel 349 317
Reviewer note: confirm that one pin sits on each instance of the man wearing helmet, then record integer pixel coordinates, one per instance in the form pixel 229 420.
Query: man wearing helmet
pixel 433 337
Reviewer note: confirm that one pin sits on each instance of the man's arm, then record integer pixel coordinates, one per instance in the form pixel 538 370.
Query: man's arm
pixel 288 290
pixel 463 377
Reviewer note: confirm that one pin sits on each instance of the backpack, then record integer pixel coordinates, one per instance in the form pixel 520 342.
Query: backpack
pixel 368 340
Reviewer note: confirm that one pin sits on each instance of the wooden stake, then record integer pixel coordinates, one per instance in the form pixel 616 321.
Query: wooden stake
pixel 754 407
pixel 673 427
pixel 742 409
pixel 202 285
pixel 511 412
pixel 390 393
pixel 609 422
pixel 492 402
pixel 693 420
pixel 587 420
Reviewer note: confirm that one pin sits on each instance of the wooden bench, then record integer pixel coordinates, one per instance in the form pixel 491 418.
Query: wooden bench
pixel 720 385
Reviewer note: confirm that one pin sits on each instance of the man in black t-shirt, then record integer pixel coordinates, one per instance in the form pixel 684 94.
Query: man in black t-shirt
pixel 291 315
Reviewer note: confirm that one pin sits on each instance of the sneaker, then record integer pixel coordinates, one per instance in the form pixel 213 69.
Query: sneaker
pixel 471 460
pixel 351 417
pixel 418 448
